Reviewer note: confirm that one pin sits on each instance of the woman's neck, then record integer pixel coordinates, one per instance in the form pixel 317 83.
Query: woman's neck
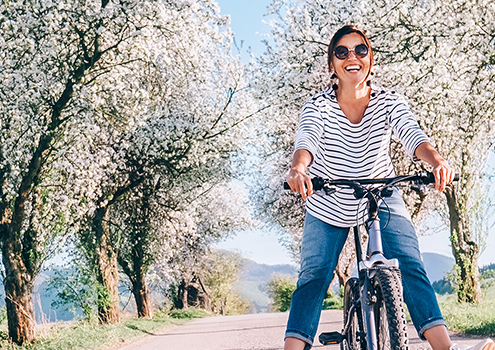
pixel 350 93
pixel 353 101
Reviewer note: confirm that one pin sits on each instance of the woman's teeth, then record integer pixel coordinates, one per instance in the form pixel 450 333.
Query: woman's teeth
pixel 356 68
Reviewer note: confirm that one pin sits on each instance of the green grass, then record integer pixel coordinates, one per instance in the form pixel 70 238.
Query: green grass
pixel 470 319
pixel 84 335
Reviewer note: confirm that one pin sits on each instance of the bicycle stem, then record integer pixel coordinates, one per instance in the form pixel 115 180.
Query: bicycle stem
pixel 373 226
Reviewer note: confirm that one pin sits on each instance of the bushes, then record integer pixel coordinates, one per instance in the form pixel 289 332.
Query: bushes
pixel 281 287
pixel 188 313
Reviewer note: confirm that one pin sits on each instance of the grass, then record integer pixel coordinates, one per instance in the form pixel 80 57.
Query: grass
pixel 470 319
pixel 86 336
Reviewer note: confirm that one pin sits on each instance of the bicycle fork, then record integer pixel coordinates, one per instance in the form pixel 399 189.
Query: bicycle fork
pixel 368 300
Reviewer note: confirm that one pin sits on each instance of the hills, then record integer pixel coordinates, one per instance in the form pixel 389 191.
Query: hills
pixel 437 265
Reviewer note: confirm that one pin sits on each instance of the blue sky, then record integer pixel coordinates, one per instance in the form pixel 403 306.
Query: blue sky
pixel 263 247
pixel 247 22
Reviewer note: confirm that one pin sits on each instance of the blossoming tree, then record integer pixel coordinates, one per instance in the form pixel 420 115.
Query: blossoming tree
pixel 51 53
pixel 94 97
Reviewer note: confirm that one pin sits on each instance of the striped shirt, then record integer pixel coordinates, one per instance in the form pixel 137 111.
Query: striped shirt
pixel 342 150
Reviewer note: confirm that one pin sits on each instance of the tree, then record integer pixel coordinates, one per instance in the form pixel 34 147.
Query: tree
pixel 221 272
pixel 148 223
pixel 425 50
pixel 52 53
pixel 280 289
pixel 449 88
pixel 75 289
pixel 77 76
pixel 173 117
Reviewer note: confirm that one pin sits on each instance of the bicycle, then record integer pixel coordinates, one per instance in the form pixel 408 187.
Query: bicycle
pixel 374 316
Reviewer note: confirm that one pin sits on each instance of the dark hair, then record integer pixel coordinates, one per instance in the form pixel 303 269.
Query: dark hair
pixel 347 29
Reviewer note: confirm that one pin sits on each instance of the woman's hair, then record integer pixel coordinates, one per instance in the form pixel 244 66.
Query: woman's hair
pixel 347 29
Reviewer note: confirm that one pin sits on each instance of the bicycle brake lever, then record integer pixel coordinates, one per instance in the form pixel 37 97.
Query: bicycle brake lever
pixel 329 190
pixel 420 188
pixel 325 191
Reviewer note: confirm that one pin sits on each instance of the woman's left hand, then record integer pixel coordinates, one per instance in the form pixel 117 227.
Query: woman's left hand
pixel 444 174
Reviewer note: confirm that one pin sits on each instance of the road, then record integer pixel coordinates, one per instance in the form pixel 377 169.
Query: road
pixel 248 332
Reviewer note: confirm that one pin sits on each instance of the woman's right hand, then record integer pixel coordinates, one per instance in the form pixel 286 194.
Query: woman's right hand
pixel 298 181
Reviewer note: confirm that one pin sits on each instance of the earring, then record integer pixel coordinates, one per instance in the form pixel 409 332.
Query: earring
pixel 334 76
pixel 368 82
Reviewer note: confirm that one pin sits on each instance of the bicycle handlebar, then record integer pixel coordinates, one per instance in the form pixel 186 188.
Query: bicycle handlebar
pixel 425 179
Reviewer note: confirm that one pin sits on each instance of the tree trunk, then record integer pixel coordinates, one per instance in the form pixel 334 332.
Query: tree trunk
pixel 136 271
pixel 464 249
pixel 142 296
pixel 108 295
pixel 106 270
pixel 18 284
pixel 185 297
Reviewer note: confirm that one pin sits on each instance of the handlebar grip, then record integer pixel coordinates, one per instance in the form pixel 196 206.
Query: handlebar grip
pixel 317 182
pixel 431 178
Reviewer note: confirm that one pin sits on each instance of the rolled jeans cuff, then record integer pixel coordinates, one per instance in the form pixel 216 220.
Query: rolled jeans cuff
pixel 430 324
pixel 308 341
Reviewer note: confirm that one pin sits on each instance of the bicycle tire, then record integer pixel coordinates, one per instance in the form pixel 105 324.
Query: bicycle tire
pixel 390 318
pixel 355 339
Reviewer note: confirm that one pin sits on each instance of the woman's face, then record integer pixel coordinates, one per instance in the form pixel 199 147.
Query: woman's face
pixel 353 69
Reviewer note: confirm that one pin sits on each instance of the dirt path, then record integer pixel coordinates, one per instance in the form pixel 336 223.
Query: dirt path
pixel 248 332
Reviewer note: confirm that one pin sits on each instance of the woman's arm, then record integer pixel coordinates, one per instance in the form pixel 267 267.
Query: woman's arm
pixel 298 180
pixel 444 174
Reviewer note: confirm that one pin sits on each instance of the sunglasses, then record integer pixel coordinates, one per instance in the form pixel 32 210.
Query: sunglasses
pixel 341 52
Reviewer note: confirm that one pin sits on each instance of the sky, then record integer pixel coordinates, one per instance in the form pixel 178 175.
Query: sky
pixel 247 22
pixel 247 19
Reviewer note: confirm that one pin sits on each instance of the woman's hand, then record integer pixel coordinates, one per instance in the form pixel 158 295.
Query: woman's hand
pixel 444 174
pixel 298 181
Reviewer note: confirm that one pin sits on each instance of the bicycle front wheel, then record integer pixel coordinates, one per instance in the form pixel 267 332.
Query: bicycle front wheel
pixel 390 318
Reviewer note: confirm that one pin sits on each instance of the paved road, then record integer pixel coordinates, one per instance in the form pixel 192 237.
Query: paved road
pixel 247 332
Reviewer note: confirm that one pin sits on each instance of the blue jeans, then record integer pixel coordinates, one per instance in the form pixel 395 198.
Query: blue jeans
pixel 320 250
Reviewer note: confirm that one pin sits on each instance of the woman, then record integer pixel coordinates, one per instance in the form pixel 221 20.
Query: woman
pixel 345 132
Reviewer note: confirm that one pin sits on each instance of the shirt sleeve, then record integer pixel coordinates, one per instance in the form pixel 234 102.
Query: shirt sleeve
pixel 310 129
pixel 405 126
